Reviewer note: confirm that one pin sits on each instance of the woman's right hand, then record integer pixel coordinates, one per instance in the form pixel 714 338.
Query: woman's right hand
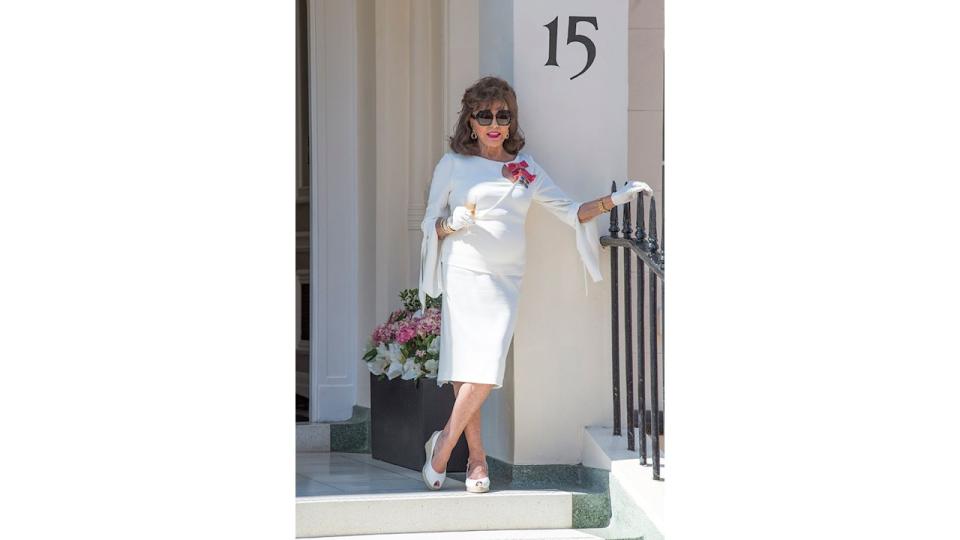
pixel 460 218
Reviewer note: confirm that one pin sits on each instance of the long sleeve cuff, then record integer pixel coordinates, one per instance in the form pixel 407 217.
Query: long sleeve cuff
pixel 588 245
pixel 429 263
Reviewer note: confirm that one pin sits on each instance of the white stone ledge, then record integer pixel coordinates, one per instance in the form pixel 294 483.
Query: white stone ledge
pixel 440 511
pixel 603 450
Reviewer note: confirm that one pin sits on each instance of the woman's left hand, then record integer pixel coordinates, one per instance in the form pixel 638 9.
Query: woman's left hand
pixel 629 191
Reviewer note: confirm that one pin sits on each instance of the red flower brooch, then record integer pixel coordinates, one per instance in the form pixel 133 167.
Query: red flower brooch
pixel 520 173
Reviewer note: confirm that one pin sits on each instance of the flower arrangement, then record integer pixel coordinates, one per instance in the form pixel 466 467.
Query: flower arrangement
pixel 408 344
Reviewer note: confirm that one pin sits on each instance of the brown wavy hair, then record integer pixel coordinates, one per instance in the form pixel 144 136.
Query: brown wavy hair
pixel 480 95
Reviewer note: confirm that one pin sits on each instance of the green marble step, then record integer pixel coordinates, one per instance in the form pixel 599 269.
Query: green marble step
pixel 352 435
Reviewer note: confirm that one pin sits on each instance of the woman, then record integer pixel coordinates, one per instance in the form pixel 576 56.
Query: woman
pixel 473 252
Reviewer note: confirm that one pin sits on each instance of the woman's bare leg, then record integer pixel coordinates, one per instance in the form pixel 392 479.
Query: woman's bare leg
pixel 477 456
pixel 470 398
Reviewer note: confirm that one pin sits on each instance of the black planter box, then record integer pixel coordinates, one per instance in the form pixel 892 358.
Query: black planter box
pixel 403 415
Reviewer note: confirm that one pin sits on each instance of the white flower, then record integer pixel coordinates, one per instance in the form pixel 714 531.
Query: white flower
pixel 411 369
pixel 431 366
pixel 393 353
pixel 434 346
pixel 376 365
pixel 379 363
pixel 394 370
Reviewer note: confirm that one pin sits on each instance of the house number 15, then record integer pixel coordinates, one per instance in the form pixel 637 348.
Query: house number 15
pixel 572 36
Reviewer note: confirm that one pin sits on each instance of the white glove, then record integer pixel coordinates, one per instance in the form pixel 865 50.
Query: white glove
pixel 629 192
pixel 461 217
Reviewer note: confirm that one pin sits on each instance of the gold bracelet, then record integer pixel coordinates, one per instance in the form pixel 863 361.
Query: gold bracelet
pixel 603 207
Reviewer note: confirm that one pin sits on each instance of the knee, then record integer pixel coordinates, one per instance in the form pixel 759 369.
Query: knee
pixel 480 388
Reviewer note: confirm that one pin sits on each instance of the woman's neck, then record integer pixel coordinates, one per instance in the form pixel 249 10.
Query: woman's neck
pixel 501 156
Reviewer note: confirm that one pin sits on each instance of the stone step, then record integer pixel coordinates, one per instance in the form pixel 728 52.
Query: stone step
pixel 636 498
pixel 448 510
pixel 351 435
pixel 344 493
pixel 511 534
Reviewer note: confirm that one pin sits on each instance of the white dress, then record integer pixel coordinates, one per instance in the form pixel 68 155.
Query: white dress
pixel 479 268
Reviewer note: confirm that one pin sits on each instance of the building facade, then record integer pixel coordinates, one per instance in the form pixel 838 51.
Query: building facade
pixel 381 84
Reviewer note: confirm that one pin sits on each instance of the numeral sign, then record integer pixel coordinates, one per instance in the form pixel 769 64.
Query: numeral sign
pixel 572 36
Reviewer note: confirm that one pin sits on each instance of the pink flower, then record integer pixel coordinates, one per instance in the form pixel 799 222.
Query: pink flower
pixel 406 333
pixel 401 327
pixel 378 335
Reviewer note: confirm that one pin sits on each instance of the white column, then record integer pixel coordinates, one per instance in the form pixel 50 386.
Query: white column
pixel 576 128
pixel 334 292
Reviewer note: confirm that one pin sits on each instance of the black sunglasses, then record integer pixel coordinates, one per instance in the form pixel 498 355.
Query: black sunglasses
pixel 485 117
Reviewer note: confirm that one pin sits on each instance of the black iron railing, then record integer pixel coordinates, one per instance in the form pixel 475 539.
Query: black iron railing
pixel 640 245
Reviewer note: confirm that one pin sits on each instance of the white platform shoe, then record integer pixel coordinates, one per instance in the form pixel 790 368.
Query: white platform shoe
pixel 431 478
pixel 477 485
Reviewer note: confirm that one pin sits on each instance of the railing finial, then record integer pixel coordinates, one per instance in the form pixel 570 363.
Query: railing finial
pixel 641 236
pixel 627 229
pixel 614 219
pixel 651 243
